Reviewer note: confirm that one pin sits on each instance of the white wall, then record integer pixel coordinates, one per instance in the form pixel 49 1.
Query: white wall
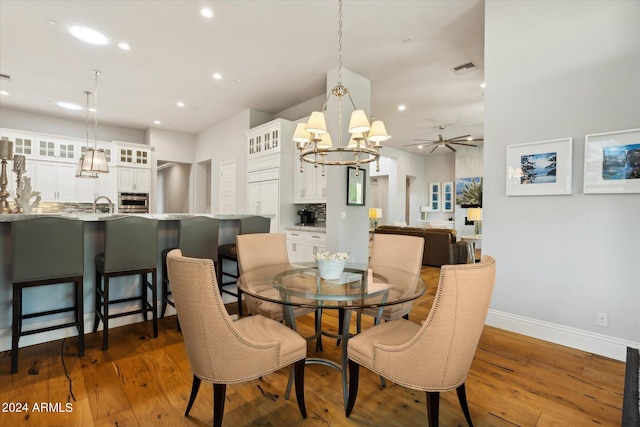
pixel 553 70
pixel 226 141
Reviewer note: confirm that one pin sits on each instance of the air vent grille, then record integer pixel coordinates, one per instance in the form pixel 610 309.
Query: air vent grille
pixel 469 66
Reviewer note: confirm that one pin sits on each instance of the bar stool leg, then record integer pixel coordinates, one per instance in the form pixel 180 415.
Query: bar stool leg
pixel 144 305
pixel 17 326
pixel 154 302
pixel 105 313
pixel 98 302
pixel 79 290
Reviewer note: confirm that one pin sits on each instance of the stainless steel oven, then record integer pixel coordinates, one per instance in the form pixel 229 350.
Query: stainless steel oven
pixel 133 202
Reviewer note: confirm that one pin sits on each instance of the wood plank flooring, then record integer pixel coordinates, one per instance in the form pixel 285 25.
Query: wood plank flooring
pixel 514 381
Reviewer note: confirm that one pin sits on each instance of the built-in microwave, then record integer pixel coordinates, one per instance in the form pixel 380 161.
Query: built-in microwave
pixel 133 203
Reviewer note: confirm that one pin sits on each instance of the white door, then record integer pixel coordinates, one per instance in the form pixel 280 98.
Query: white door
pixel 228 187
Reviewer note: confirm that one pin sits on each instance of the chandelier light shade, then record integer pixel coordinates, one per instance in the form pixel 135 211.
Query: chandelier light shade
pixel 314 142
pixel 95 159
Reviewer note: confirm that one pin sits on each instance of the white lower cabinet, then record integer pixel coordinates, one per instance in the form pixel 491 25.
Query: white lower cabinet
pixel 302 245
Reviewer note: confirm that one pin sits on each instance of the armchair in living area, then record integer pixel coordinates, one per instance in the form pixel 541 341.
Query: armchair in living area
pixel 436 241
pixel 222 351
pixel 436 356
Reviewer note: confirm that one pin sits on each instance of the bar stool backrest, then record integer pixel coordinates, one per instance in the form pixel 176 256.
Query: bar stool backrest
pixel 198 237
pixel 255 224
pixel 47 248
pixel 130 243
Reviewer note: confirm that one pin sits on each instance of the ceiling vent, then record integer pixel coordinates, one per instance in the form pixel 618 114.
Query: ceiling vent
pixel 469 66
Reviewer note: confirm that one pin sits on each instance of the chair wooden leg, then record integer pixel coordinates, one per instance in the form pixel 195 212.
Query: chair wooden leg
pixel 299 374
pixel 195 386
pixel 354 373
pixel 462 397
pixel 219 392
pixel 145 297
pixel 433 404
pixel 318 328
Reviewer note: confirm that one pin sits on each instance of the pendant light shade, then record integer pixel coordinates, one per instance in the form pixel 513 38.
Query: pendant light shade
pixel 359 122
pixel 316 123
pixel 79 172
pixel 95 160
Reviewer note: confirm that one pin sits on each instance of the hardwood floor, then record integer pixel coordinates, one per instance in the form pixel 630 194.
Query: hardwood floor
pixel 139 381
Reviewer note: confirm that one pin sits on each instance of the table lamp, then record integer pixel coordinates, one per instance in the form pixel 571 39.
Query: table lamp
pixel 475 215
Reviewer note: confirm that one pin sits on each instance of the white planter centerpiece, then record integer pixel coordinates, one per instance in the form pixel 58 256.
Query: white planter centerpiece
pixel 330 266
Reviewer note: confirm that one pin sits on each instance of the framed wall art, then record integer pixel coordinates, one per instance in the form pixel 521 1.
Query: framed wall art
pixel 539 168
pixel 434 197
pixel 469 192
pixel 355 186
pixel 612 162
pixel 447 197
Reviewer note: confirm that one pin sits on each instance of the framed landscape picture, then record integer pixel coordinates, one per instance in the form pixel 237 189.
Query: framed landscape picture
pixel 539 168
pixel 612 162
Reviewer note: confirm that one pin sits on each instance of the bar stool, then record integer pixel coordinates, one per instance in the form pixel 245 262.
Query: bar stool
pixel 197 238
pixel 47 251
pixel 130 248
pixel 229 252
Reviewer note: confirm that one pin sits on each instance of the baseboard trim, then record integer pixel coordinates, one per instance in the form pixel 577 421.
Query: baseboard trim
pixel 602 345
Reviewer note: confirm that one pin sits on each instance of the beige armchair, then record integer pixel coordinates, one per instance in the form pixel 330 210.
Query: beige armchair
pixel 262 250
pixel 220 350
pixel 398 252
pixel 436 356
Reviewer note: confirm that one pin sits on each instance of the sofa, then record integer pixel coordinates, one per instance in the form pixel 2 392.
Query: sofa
pixel 436 241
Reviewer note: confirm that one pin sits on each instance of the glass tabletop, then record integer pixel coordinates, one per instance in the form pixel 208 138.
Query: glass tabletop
pixel 300 285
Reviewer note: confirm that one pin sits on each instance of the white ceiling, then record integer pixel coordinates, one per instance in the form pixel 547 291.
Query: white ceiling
pixel 272 55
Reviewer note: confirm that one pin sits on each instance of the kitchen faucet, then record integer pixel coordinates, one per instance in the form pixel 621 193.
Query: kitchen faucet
pixel 102 197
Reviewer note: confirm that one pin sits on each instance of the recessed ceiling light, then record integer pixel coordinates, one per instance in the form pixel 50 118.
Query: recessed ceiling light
pixel 217 76
pixel 483 85
pixel 68 105
pixel 124 46
pixel 4 92
pixel 207 13
pixel 52 22
pixel 402 107
pixel 420 147
pixel 157 122
pixel 88 35
pixel 180 104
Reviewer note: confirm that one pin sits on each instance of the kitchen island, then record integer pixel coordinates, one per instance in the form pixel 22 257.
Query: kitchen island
pixel 39 298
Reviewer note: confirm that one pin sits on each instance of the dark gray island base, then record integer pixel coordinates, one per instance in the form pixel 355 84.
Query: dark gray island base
pixel 37 299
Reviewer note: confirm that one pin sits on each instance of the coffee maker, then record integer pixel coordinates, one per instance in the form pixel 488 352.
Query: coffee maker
pixel 308 217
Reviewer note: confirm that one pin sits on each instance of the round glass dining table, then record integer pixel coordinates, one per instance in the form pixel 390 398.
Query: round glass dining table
pixel 358 287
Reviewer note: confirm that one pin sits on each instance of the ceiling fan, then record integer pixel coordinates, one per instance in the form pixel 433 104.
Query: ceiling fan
pixel 446 142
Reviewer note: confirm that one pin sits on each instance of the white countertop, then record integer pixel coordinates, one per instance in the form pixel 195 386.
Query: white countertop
pixel 317 228
pixel 92 217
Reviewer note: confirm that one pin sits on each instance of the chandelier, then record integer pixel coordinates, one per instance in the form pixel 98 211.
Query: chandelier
pixel 79 172
pixel 314 142
pixel 95 159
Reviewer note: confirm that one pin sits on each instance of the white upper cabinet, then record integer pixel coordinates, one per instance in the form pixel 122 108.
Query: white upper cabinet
pixel 58 149
pixel 134 155
pixel 310 186
pixel 267 138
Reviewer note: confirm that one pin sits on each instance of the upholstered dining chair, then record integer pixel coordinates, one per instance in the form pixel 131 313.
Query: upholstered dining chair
pixel 222 351
pixel 398 252
pixel 435 356
pixel 229 252
pixel 262 250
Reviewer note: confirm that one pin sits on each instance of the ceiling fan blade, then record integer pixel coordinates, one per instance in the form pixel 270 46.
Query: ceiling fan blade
pixel 457 138
pixel 421 143
pixel 463 143
pixel 426 140
pixel 434 149
pixel 450 147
